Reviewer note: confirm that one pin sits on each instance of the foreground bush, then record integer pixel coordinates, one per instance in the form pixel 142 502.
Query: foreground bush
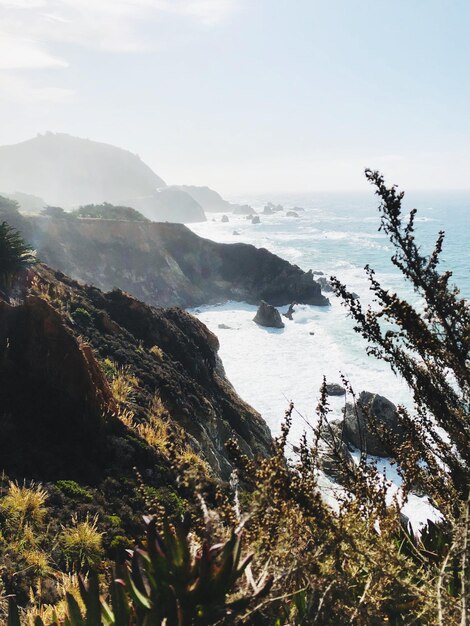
pixel 171 581
pixel 356 562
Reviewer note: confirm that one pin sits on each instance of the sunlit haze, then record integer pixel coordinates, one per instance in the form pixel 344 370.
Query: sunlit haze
pixel 248 95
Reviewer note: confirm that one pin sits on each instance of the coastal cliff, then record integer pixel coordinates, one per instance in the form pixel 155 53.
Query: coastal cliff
pixel 55 348
pixel 167 264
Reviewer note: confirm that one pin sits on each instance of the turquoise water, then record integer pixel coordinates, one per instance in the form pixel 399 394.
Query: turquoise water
pixel 337 234
pixel 342 229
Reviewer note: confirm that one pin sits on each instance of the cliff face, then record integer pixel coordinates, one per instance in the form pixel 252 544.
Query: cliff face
pixel 58 415
pixel 167 264
pixel 54 396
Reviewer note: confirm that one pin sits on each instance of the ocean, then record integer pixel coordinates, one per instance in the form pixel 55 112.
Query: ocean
pixel 336 234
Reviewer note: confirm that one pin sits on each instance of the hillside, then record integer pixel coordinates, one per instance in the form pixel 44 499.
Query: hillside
pixel 210 200
pixel 167 264
pixel 68 171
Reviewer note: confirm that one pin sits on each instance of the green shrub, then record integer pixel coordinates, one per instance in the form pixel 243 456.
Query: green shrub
pixel 82 316
pixel 73 490
pixel 108 211
pixel 110 369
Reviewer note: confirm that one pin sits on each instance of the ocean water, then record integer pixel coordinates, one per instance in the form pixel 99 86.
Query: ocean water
pixel 338 235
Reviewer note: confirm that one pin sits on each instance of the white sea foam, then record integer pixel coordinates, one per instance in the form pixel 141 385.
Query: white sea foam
pixel 271 367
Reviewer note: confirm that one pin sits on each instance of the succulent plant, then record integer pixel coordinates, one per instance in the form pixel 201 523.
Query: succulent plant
pixel 164 583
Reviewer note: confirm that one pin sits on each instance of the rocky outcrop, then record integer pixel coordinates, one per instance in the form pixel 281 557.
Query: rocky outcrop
pixel 268 316
pixel 171 353
pixel 335 389
pixel 372 424
pixel 208 199
pixel 290 312
pixel 255 219
pixel 224 219
pixel 167 264
pixel 169 204
pixel 54 396
pixel 292 214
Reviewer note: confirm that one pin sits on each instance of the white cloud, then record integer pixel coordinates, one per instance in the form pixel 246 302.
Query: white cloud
pixel 17 88
pixel 33 32
pixel 114 25
pixel 22 53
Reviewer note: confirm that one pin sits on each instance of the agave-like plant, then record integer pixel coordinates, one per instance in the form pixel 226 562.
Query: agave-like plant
pixel 165 583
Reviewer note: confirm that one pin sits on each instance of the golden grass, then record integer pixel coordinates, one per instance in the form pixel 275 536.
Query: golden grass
pixel 194 463
pixel 82 542
pixel 157 433
pixel 24 505
pixel 157 352
pixel 68 583
pixel 124 384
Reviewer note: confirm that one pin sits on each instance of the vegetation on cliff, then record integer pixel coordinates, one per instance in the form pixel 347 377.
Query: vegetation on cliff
pixel 107 211
pixel 358 562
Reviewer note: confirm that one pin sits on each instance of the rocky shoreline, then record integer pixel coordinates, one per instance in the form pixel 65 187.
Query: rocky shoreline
pixel 166 264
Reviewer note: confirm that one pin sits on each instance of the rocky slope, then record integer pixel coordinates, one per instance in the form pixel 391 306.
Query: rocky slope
pixel 68 171
pixel 212 202
pixel 58 415
pixel 167 264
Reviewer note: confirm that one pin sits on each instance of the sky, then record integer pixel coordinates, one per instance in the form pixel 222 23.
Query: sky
pixel 249 96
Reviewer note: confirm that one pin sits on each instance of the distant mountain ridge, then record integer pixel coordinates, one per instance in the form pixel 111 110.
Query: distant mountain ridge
pixel 68 171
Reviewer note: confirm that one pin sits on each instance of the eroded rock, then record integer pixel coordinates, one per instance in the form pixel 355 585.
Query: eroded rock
pixel 268 316
pixel 371 422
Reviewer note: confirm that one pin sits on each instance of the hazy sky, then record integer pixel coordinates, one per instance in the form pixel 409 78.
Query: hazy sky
pixel 248 95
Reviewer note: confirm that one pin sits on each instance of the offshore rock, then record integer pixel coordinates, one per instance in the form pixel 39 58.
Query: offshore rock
pixel 373 425
pixel 268 316
pixel 334 389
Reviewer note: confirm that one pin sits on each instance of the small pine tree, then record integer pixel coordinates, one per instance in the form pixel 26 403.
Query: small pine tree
pixel 16 256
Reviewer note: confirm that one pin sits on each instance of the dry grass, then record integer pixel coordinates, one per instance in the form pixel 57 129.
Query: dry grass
pixel 157 433
pixel 124 384
pixel 24 506
pixel 38 562
pixel 192 463
pixel 157 352
pixel 68 584
pixel 82 543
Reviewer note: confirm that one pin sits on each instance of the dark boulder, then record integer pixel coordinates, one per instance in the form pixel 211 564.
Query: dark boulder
pixel 268 210
pixel 334 389
pixel 292 214
pixel 290 312
pixel 372 425
pixel 255 219
pixel 268 316
pixel 224 219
